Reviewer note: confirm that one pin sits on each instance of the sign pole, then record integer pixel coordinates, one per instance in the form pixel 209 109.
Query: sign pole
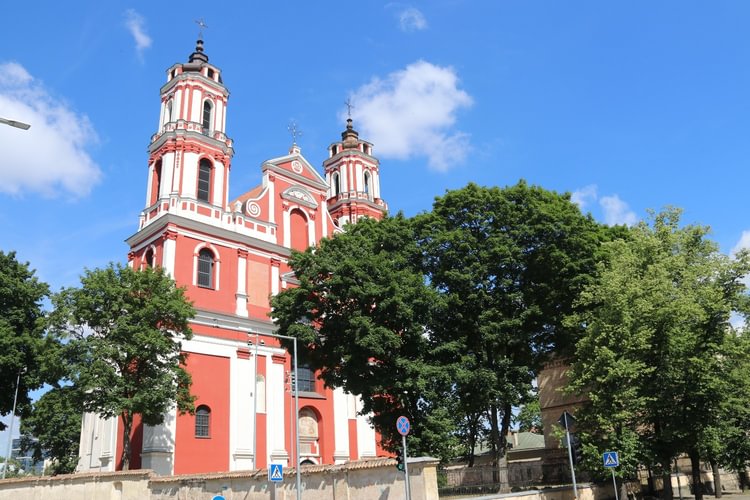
pixel 570 455
pixel 406 469
pixel 614 482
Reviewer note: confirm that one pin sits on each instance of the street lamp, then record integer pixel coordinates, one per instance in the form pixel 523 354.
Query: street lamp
pixel 12 421
pixel 14 123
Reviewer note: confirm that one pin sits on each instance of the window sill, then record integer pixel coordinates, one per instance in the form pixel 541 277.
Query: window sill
pixel 311 395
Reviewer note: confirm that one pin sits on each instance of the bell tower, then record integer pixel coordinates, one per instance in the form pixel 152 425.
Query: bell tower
pixel 353 175
pixel 190 154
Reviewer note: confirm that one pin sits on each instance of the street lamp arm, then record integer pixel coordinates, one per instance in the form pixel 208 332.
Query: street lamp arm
pixel 14 123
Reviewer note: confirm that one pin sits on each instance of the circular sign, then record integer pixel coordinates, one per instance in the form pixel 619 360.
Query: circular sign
pixel 403 425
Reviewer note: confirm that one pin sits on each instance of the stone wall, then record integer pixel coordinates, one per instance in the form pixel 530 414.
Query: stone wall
pixel 374 479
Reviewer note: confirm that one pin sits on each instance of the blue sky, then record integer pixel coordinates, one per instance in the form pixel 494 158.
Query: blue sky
pixel 629 106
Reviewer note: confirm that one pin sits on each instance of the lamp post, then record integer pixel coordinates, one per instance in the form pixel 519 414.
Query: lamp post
pixel 14 123
pixel 296 407
pixel 12 421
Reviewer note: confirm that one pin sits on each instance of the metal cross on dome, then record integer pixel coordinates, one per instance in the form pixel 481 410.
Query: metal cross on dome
pixel 296 132
pixel 349 107
pixel 201 24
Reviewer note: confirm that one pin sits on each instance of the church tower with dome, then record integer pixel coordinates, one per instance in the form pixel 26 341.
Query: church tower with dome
pixel 232 255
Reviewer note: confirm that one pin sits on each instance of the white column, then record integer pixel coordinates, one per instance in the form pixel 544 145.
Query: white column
pixel 311 240
pixel 287 237
pixel 324 218
pixel 170 248
pixel 241 295
pixel 365 435
pixel 274 279
pixel 275 416
pixel 241 413
pixel 340 426
pixel 158 445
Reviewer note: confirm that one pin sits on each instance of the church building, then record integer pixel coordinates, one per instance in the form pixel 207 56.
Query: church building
pixel 232 255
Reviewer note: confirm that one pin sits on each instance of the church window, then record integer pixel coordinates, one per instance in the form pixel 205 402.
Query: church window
pixel 336 184
pixel 334 150
pixel 203 422
pixel 305 379
pixel 156 183
pixel 168 113
pixel 207 112
pixel 210 73
pixel 149 258
pixel 206 268
pixel 367 183
pixel 204 180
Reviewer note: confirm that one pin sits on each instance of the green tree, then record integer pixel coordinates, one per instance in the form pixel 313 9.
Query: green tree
pixel 654 361
pixel 360 309
pixel 529 417
pixel 508 265
pixel 125 329
pixel 53 429
pixel 25 348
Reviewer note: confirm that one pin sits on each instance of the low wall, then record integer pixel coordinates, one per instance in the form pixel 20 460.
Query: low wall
pixel 374 479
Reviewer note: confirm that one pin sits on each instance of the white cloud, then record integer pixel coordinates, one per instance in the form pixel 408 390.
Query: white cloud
pixel 135 24
pixel 617 211
pixel 51 156
pixel 744 242
pixel 583 196
pixel 411 19
pixel 412 112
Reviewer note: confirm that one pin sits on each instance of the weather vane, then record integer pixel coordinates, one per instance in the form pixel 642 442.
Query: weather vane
pixel 201 24
pixel 349 106
pixel 296 133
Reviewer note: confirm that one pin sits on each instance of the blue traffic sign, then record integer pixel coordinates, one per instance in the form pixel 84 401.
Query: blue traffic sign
pixel 403 425
pixel 611 459
pixel 218 497
pixel 276 473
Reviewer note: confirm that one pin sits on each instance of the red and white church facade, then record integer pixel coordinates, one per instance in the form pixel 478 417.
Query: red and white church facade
pixel 231 256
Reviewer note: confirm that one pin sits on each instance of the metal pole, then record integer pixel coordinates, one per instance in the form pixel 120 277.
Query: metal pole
pixel 677 471
pixel 12 420
pixel 296 420
pixel 614 481
pixel 406 468
pixel 255 407
pixel 570 457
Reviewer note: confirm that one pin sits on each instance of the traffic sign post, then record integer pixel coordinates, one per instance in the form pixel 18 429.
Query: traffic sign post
pixel 611 460
pixel 403 426
pixel 567 420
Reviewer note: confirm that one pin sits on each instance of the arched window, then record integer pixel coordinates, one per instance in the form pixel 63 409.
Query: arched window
pixel 299 230
pixel 204 180
pixel 367 183
pixel 207 109
pixel 308 424
pixel 168 112
pixel 156 183
pixel 206 268
pixel 203 422
pixel 336 185
pixel 334 150
pixel 148 259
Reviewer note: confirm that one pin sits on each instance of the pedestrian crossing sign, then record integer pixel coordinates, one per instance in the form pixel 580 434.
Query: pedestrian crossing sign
pixel 275 473
pixel 611 459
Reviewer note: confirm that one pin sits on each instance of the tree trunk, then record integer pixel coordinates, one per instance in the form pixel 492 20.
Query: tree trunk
pixel 717 478
pixel 505 426
pixel 666 477
pixel 695 468
pixel 494 436
pixel 127 424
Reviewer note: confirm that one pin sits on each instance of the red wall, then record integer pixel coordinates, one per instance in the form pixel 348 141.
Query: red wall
pixel 211 388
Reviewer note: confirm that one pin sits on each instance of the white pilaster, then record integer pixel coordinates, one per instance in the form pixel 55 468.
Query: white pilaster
pixel 168 259
pixel 241 295
pixel 365 435
pixel 241 413
pixel 340 426
pixel 275 417
pixel 158 445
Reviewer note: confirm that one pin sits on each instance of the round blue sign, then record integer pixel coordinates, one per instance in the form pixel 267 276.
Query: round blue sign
pixel 403 425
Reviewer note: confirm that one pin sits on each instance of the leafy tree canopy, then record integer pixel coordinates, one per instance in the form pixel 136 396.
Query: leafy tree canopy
pixel 125 329
pixel 656 359
pixel 25 348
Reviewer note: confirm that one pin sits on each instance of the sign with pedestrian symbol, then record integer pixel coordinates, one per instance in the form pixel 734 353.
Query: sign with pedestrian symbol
pixel 276 473
pixel 611 459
